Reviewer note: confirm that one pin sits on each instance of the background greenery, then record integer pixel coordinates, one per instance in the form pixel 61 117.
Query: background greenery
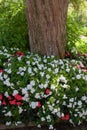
pixel 14 31
pixel 13 25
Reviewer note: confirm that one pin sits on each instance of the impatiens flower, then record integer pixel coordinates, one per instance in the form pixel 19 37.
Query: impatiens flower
pixel 19 53
pixel 39 104
pixel 8 114
pixel 1 97
pixel 66 117
pixel 9 98
pixel 67 54
pixel 1 71
pixel 13 102
pixel 4 102
pixel 47 91
pixel 8 123
pixel 18 97
pixel 18 103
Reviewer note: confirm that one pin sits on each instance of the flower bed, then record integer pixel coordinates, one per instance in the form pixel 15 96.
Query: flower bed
pixel 40 89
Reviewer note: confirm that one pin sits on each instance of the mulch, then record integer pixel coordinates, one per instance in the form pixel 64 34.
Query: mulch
pixel 58 126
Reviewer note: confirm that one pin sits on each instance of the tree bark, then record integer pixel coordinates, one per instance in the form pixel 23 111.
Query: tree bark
pixel 47 26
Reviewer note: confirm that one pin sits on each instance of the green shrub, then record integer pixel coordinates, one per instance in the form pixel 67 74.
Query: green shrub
pixel 13 25
pixel 74 28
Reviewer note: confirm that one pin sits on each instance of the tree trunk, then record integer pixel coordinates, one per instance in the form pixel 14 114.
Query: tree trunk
pixel 47 26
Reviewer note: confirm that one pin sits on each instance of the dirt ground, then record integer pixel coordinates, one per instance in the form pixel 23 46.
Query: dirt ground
pixel 59 126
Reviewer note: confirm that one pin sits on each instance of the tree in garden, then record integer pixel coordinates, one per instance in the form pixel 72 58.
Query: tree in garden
pixel 47 26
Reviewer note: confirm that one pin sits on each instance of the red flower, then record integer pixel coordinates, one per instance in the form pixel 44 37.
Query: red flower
pixel 47 91
pixel 9 98
pixel 39 104
pixel 85 70
pixel 19 53
pixel 18 103
pixel 4 102
pixel 13 102
pixel 67 54
pixel 18 97
pixel 66 117
pixel 1 97
pixel 1 71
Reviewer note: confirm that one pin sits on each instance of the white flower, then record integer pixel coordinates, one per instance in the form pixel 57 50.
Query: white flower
pixel 20 110
pixel 28 62
pixel 32 90
pixel 39 126
pixel 62 79
pixel 70 105
pixel 42 119
pixel 24 90
pixel 22 73
pixel 0 103
pixel 59 114
pixel 67 70
pixel 8 114
pixel 48 117
pixel 42 74
pixel 5 76
pixel 41 86
pixel 79 103
pixel 65 86
pixel 19 58
pixel 50 127
pixel 49 69
pixel 6 82
pixel 37 95
pixel 32 83
pixel 54 111
pixel 71 100
pixel 35 69
pixel 15 92
pixel 6 94
pixel 53 86
pixel 64 97
pixel 29 70
pixel 47 76
pixel 29 87
pixel 78 76
pixel 9 71
pixel 8 123
pixel 77 89
pixel 84 98
pixel 56 70
pixel 33 105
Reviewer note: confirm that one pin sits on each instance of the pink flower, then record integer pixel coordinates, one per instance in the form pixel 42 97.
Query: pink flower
pixel 18 103
pixel 67 54
pixel 13 102
pixel 1 71
pixel 18 97
pixel 47 91
pixel 19 53
pixel 9 98
pixel 4 102
pixel 39 104
pixel 1 97
pixel 66 117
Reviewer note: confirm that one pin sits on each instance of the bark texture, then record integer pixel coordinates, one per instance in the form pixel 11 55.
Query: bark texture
pixel 47 26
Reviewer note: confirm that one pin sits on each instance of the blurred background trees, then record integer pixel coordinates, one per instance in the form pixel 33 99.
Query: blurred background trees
pixel 14 31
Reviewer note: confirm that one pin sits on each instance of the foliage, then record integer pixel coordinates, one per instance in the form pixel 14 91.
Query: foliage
pixel 74 29
pixel 43 89
pixel 13 25
pixel 76 26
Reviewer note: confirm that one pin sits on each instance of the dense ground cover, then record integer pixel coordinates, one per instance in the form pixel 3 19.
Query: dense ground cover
pixel 42 88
